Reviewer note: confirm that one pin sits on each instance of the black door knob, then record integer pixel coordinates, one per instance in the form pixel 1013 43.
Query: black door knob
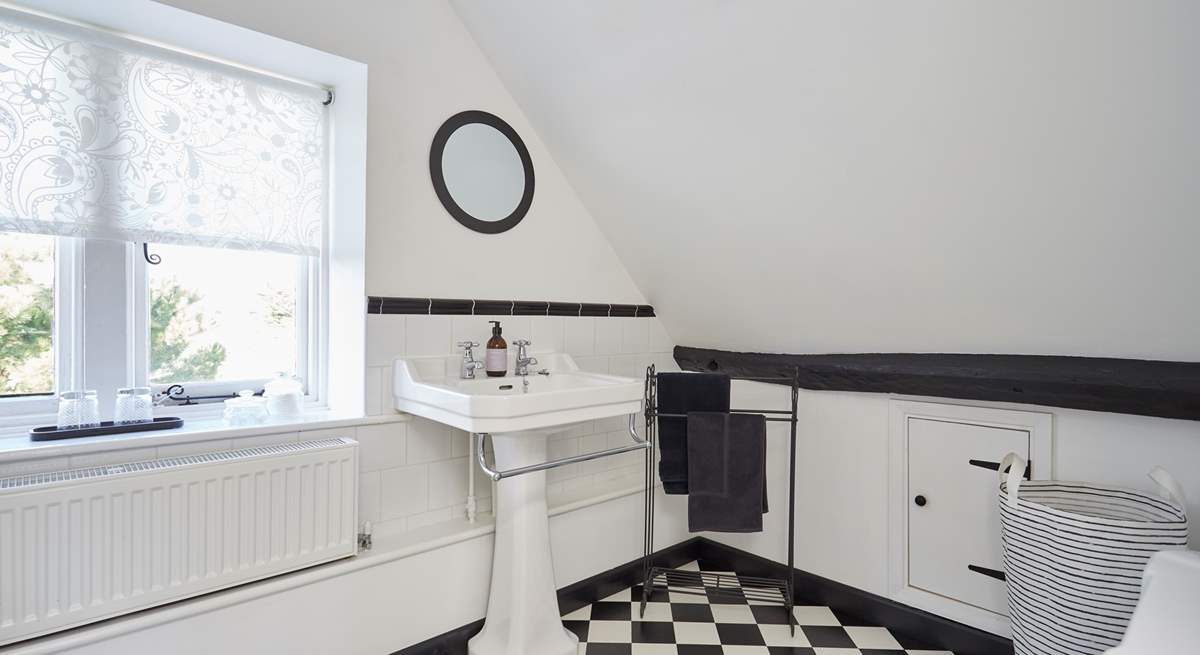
pixel 920 501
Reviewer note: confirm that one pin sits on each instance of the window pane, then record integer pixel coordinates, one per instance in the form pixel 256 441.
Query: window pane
pixel 26 314
pixel 222 314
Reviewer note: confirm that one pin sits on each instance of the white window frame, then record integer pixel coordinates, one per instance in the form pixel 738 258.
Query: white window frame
pixel 67 340
pixel 336 358
pixel 308 338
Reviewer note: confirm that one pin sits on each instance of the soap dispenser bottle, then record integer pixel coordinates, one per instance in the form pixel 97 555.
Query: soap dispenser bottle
pixel 496 360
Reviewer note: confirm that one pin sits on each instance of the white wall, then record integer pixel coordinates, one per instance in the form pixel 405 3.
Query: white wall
pixel 975 176
pixel 424 67
pixel 842 473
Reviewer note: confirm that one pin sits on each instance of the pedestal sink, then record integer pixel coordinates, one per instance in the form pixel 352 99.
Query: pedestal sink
pixel 519 414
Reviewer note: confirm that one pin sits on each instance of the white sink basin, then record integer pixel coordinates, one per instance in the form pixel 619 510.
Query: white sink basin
pixel 519 414
pixel 431 387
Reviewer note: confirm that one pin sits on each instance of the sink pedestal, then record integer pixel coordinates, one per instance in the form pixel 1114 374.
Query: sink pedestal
pixel 522 614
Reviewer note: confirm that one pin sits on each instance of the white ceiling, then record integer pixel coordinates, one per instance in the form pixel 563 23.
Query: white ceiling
pixel 842 176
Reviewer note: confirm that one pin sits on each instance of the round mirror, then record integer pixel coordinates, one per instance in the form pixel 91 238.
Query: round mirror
pixel 481 172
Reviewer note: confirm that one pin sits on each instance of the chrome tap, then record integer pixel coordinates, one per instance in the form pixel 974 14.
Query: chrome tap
pixel 467 372
pixel 523 361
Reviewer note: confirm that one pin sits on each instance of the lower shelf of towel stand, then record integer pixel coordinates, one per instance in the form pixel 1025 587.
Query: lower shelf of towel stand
pixel 718 586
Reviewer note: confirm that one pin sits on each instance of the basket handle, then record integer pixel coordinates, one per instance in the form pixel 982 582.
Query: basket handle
pixel 1012 470
pixel 1168 486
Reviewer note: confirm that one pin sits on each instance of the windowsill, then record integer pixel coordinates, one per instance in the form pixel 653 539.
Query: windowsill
pixel 15 443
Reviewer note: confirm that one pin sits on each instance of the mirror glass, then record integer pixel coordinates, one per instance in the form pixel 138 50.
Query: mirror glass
pixel 483 172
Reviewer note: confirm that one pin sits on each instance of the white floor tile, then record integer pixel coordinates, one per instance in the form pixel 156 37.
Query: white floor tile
pixel 619 632
pixel 780 635
pixel 814 615
pixel 654 649
pixel 870 637
pixel 695 633
pixel 732 614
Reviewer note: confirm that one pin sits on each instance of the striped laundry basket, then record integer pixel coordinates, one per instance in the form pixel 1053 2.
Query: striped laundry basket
pixel 1074 555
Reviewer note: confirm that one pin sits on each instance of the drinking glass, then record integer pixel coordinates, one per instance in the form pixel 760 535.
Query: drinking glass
pixel 134 405
pixel 78 409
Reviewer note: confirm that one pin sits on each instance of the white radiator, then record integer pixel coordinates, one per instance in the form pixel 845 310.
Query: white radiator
pixel 81 545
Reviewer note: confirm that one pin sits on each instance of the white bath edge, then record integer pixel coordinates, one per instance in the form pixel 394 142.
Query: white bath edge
pixel 386 549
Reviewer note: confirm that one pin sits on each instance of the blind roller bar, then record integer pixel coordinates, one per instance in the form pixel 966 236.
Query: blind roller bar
pixel 120 41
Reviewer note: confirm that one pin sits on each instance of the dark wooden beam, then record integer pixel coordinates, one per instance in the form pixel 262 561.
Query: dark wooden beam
pixel 1125 386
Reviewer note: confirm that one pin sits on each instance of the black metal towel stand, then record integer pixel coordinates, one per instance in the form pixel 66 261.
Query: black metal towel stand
pixel 716 585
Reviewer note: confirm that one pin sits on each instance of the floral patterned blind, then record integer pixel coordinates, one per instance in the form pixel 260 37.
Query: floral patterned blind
pixel 105 143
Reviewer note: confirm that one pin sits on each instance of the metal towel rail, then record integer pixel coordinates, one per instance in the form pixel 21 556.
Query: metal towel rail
pixel 638 444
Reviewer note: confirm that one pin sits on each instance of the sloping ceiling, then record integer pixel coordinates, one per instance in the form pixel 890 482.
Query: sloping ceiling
pixel 1008 177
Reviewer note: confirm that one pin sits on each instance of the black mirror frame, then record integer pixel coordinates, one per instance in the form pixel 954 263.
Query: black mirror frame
pixel 439 181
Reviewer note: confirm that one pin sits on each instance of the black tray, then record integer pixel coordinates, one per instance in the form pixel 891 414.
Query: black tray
pixel 51 432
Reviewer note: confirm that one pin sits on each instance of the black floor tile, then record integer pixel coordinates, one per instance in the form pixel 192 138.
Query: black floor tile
pixel 690 649
pixel 610 649
pixel 740 634
pixel 580 628
pixel 828 636
pixel 770 614
pixel 691 613
pixel 725 596
pixel 697 609
pixel 612 611
pixel 653 632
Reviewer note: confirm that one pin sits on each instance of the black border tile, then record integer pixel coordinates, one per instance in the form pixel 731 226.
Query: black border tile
pixel 405 305
pixel 565 308
pixel 467 306
pixel 494 307
pixel 531 308
pixel 453 306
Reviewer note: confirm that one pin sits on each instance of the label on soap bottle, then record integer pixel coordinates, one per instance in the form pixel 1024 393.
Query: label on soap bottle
pixel 496 360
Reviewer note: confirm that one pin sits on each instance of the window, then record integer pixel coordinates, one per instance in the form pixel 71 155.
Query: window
pixel 162 220
pixel 26 315
pixel 240 322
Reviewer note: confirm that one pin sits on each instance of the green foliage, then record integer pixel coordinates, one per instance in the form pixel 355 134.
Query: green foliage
pixel 26 328
pixel 174 327
pixel 279 307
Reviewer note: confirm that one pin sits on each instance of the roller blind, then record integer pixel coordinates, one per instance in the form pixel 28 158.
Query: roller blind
pixel 106 138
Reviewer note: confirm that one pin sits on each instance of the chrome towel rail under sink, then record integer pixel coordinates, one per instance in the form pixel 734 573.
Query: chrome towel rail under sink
pixel 638 444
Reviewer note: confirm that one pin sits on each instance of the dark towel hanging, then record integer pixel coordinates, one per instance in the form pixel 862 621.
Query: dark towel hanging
pixel 680 393
pixel 727 464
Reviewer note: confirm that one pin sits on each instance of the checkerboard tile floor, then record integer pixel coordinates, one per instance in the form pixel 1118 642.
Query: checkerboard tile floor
pixel 690 624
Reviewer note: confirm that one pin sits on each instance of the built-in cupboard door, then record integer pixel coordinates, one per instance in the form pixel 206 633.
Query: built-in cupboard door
pixel 953 517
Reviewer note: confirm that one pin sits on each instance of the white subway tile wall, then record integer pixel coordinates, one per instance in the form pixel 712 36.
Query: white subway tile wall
pixel 416 472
